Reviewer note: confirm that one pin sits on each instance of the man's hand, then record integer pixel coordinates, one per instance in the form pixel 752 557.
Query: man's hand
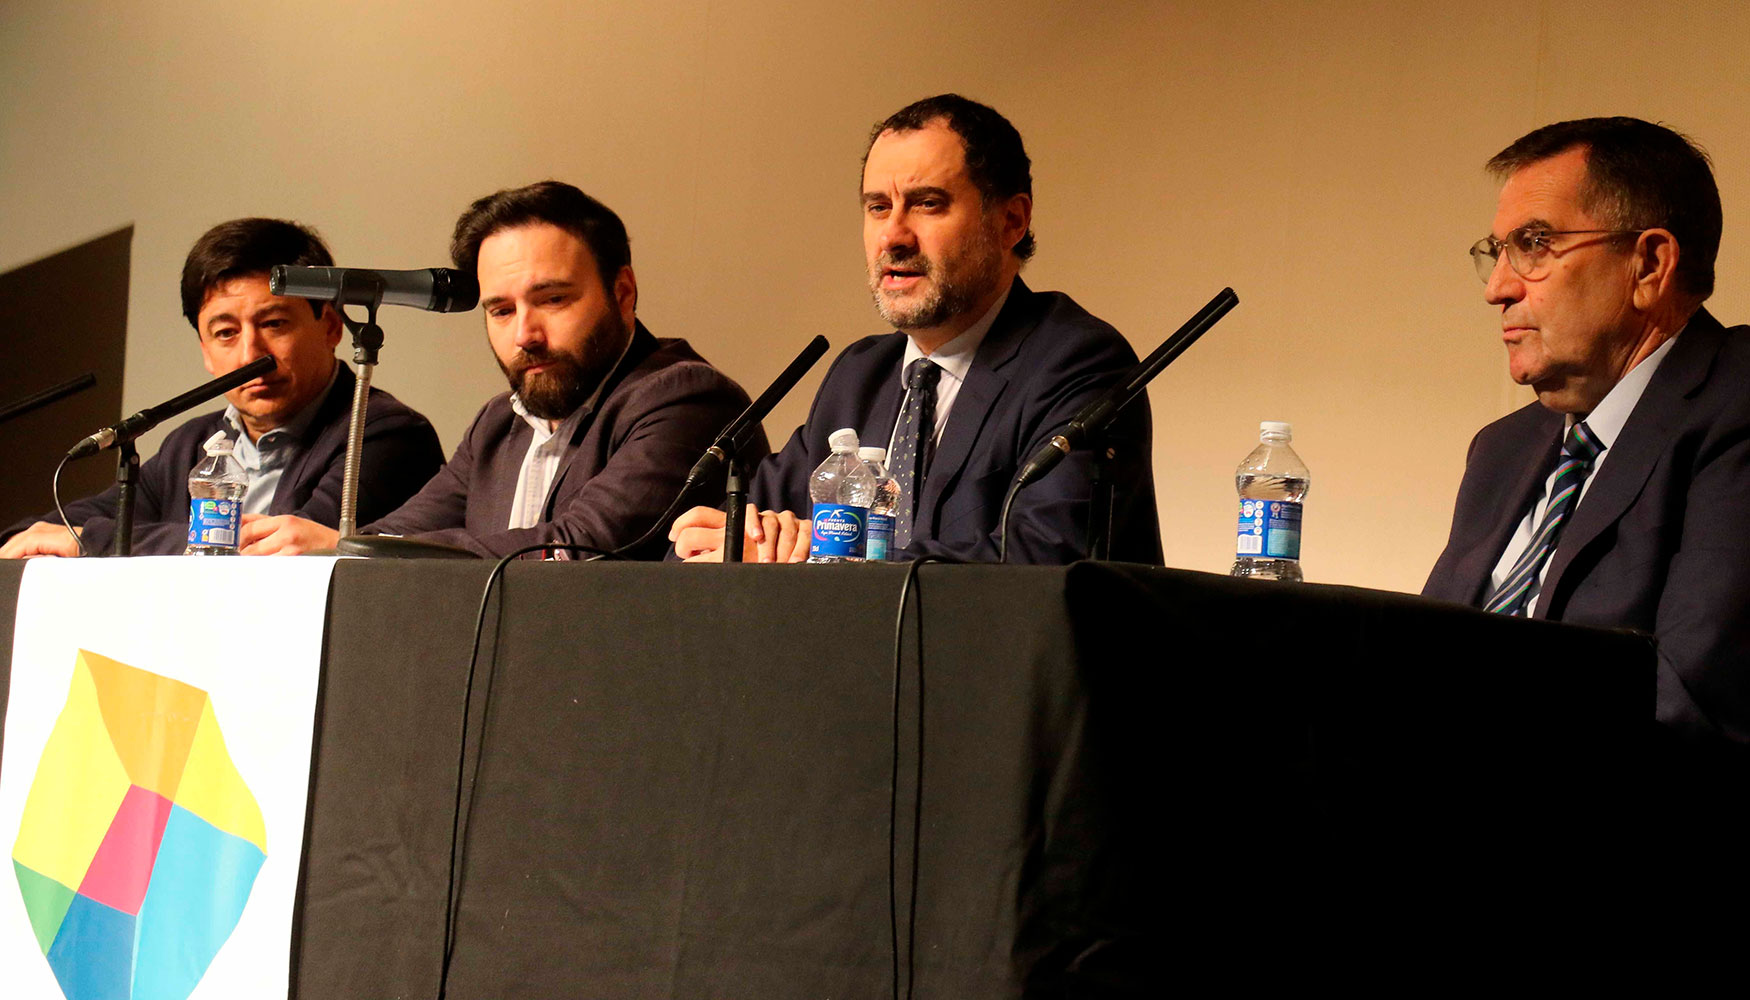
pixel 284 535
pixel 40 539
pixel 770 536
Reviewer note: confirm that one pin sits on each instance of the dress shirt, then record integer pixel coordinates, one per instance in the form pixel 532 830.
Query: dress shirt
pixel 1606 422
pixel 265 459
pixel 955 359
pixel 546 450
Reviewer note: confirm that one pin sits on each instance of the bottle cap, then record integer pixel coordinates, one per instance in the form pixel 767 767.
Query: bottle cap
pixel 1277 427
pixel 218 444
pixel 872 454
pixel 843 440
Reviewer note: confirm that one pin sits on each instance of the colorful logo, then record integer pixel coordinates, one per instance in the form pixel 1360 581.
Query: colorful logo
pixel 140 842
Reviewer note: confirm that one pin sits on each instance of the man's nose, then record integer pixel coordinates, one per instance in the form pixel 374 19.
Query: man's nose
pixel 1504 284
pixel 254 344
pixel 530 332
pixel 896 236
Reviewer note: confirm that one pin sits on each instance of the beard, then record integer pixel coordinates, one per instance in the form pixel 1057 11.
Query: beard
pixel 569 376
pixel 952 286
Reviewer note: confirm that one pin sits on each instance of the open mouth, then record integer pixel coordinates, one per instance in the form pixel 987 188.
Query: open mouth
pixel 898 278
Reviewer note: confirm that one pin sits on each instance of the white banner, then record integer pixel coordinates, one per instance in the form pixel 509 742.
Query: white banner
pixel 154 775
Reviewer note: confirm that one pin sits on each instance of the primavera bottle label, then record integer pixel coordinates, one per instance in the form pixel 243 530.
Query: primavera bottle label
pixel 1269 529
pixel 840 531
pixel 214 522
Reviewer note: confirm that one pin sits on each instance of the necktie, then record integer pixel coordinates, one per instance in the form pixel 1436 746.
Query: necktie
pixel 1579 451
pixel 913 442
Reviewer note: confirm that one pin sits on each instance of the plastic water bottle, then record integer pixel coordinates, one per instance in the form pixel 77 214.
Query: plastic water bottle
pixel 882 508
pixel 842 489
pixel 1272 482
pixel 215 501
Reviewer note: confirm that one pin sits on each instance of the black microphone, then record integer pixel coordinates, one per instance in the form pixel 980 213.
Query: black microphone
pixel 434 289
pixel 52 394
pixel 1094 417
pixel 143 421
pixel 735 436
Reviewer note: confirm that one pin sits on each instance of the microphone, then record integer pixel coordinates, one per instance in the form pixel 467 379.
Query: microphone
pixel 434 289
pixel 1094 417
pixel 734 437
pixel 52 394
pixel 143 421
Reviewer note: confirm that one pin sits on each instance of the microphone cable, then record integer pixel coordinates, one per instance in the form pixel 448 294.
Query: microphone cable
pixel 911 574
pixel 458 829
pixel 55 490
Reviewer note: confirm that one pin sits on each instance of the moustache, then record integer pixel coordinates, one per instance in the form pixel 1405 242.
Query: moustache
pixel 909 261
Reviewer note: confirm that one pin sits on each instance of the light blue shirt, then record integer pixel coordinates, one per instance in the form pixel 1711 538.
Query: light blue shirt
pixel 266 459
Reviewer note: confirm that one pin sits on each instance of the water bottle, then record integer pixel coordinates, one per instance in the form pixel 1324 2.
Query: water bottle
pixel 881 509
pixel 215 501
pixel 842 489
pixel 1271 481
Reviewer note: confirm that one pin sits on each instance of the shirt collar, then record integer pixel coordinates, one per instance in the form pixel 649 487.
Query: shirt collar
pixel 539 424
pixel 291 430
pixel 1612 412
pixel 955 357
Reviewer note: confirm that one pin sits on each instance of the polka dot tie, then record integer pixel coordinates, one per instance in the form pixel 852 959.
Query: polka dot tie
pixel 1579 451
pixel 913 443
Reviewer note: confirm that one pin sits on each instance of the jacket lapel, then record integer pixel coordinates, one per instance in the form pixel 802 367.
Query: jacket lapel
pixel 643 346
pixel 978 395
pixel 337 402
pixel 1644 439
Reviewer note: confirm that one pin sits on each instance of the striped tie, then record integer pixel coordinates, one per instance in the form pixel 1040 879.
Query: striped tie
pixel 1579 451
pixel 912 443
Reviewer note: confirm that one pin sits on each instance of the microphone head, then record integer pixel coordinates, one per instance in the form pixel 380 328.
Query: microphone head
pixel 453 291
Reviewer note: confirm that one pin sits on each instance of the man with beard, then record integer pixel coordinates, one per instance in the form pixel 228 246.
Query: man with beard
pixel 982 372
pixel 603 420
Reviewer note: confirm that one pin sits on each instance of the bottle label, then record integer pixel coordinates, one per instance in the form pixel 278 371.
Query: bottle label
pixel 840 531
pixel 1269 529
pixel 880 536
pixel 214 522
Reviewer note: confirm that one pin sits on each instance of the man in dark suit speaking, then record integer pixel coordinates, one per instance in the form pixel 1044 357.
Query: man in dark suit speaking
pixel 603 420
pixel 1622 497
pixel 981 373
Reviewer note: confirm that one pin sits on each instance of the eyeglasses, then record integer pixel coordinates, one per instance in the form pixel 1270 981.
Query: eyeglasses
pixel 1528 249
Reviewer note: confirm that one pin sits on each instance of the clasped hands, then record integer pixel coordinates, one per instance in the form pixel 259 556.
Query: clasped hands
pixel 771 536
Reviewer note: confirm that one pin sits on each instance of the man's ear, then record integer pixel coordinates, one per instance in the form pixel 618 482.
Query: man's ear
pixel 1655 259
pixel 626 294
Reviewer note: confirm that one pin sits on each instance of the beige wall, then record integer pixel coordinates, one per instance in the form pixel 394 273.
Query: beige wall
pixel 1323 159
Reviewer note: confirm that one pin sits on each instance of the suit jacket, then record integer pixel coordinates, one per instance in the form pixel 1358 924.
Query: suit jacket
pixel 661 407
pixel 1043 359
pixel 401 452
pixel 1661 540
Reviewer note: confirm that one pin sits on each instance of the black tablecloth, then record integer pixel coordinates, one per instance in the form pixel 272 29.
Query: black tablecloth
pixel 684 775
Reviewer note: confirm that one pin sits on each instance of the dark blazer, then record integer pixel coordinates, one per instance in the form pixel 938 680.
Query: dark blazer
pixel 401 452
pixel 1661 540
pixel 662 407
pixel 1043 359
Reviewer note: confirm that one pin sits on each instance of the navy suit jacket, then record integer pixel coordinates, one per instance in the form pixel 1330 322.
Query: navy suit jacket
pixel 1043 359
pixel 401 452
pixel 663 405
pixel 1661 540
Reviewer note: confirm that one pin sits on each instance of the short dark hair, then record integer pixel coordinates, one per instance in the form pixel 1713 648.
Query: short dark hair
pixel 995 158
pixel 555 203
pixel 244 247
pixel 1638 176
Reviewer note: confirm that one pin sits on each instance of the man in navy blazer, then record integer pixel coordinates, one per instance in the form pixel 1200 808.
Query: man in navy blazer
pixel 289 427
pixel 947 212
pixel 1601 255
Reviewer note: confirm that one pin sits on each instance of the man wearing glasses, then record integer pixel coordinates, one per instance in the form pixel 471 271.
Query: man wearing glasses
pixel 1622 497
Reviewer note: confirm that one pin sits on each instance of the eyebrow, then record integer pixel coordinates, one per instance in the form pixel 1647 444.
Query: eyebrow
pixel 911 194
pixel 534 289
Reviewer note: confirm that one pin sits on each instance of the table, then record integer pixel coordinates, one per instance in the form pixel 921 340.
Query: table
pixel 680 776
